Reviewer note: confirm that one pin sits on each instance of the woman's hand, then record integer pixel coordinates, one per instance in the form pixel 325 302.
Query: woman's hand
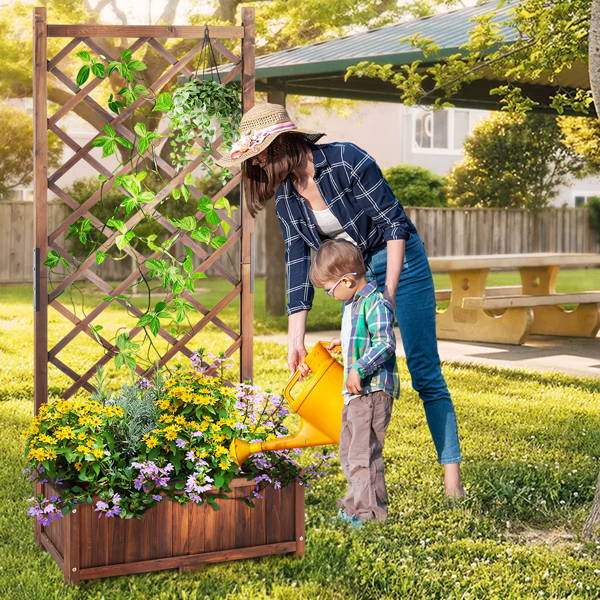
pixel 354 382
pixel 296 356
pixel 391 298
pixel 332 345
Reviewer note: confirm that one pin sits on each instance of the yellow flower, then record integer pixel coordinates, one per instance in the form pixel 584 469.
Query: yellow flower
pixel 51 453
pixel 82 435
pixel 39 454
pixel 98 452
pixel 65 432
pixel 90 442
pixel 224 465
pixel 171 435
pixel 83 449
pixel 78 466
pixel 203 426
pixel 96 421
pixel 151 442
pixel 84 420
pixel 180 419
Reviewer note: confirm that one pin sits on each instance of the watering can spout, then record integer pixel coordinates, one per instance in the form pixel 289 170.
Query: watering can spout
pixel 319 406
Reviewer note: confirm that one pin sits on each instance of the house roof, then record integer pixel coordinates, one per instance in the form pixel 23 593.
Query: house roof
pixel 319 69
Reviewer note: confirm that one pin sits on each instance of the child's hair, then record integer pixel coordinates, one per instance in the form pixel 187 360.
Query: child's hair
pixel 334 259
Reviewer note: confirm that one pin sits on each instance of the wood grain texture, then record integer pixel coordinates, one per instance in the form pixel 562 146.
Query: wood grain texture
pixel 134 31
pixel 300 518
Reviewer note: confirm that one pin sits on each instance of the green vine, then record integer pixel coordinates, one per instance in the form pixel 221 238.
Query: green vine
pixel 176 274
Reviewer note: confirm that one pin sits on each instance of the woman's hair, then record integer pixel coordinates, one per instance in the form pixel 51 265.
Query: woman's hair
pixel 284 153
pixel 333 260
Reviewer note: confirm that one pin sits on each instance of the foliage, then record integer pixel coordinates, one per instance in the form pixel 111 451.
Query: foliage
pixel 416 186
pixel 190 420
pixel 203 109
pixel 513 161
pixel 119 235
pixel 16 149
pixel 548 39
pixel 582 135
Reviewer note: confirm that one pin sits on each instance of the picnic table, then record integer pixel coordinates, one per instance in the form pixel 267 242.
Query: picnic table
pixel 509 314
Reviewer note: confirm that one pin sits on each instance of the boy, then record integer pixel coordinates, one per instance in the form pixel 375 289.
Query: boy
pixel 371 380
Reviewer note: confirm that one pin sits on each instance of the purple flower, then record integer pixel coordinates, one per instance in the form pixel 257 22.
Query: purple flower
pixel 28 470
pixel 115 498
pixel 101 506
pixel 41 469
pixel 157 497
pixel 190 456
pixel 115 510
pixel 197 434
pixel 145 384
pixel 180 443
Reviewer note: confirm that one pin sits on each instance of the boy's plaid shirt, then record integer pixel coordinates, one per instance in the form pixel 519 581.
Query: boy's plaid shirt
pixel 372 347
pixel 354 190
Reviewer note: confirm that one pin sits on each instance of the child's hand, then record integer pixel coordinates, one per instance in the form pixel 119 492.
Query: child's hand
pixel 332 345
pixel 354 382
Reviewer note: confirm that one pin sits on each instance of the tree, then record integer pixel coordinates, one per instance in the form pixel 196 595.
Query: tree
pixel 416 186
pixel 16 149
pixel 582 134
pixel 513 161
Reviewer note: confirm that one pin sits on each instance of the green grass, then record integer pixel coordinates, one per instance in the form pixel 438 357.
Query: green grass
pixel 530 445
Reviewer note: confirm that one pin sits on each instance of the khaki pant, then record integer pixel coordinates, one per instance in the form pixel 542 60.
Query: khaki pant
pixel 364 422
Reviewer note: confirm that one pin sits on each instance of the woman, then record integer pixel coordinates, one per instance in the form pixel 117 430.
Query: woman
pixel 337 191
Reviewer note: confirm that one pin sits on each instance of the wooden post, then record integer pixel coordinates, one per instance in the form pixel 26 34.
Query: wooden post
pixel 40 221
pixel 247 245
pixel 275 274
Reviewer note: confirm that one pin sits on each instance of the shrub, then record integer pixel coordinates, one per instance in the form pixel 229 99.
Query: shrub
pixel 416 186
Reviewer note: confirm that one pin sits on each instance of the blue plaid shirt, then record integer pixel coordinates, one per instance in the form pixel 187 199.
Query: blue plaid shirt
pixel 353 188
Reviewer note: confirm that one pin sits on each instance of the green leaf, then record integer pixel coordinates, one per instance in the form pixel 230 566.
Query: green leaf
pixel 118 225
pixel 100 141
pixel 141 176
pixel 109 148
pixel 126 54
pixel 212 217
pixel 131 364
pixel 144 321
pixel 154 326
pixel 102 177
pixel 146 196
pixel 187 224
pixel 119 361
pixel 189 284
pixel 163 102
pixel 140 129
pixel 143 145
pixel 185 192
pixel 188 265
pixel 198 275
pixel 218 241
pixel 122 240
pixel 139 88
pixel 137 65
pixel 98 70
pixel 109 131
pixel 204 204
pixel 202 234
pixel 83 75
pixel 160 306
pixel 176 194
pixel 124 142
pixel 100 256
pixel 189 179
pixel 129 204
pixel 85 56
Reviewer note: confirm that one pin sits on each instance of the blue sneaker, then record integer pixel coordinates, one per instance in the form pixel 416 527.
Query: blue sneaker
pixel 355 523
pixel 341 517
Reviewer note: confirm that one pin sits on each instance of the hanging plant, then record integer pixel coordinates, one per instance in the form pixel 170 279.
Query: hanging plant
pixel 204 109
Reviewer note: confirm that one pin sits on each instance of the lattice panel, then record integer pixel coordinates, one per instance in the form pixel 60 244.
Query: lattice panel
pixel 145 37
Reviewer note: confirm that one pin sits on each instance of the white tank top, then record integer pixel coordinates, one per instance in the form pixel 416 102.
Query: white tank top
pixel 328 226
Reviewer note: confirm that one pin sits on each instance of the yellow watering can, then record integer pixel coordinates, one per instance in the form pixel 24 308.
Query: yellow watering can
pixel 319 405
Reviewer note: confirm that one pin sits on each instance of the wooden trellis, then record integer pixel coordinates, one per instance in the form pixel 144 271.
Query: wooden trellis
pixel 91 36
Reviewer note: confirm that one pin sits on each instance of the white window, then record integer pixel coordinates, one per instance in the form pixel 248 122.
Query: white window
pixel 18 194
pixel 440 131
pixel 581 198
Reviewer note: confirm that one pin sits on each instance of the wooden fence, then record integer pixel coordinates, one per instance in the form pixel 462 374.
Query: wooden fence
pixel 445 231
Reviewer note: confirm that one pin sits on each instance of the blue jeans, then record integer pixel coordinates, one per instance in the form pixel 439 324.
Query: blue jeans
pixel 415 312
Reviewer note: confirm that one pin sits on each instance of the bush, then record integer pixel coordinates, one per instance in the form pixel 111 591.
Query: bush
pixel 416 186
pixel 594 206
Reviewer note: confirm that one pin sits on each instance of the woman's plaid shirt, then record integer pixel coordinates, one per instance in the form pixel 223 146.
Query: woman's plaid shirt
pixel 372 347
pixel 352 186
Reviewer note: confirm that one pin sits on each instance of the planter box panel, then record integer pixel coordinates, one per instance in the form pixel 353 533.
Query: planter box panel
pixel 173 536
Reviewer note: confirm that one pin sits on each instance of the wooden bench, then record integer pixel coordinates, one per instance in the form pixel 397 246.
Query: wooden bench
pixel 501 290
pixel 512 301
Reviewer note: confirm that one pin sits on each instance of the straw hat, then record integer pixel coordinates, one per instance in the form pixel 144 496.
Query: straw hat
pixel 259 127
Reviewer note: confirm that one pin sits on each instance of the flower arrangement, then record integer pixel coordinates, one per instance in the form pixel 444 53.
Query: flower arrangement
pixel 155 440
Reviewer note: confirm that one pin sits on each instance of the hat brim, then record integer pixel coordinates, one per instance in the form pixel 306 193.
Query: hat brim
pixel 226 161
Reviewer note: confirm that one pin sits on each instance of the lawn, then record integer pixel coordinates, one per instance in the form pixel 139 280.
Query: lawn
pixel 530 446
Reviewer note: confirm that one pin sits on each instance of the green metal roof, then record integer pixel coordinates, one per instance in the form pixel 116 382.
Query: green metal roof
pixel 319 69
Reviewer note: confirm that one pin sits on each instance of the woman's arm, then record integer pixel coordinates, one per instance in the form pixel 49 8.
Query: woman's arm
pixel 395 259
pixel 296 349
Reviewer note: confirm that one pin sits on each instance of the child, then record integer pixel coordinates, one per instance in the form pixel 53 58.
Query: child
pixel 371 380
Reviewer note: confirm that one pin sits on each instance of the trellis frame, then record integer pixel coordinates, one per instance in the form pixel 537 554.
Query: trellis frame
pixel 43 239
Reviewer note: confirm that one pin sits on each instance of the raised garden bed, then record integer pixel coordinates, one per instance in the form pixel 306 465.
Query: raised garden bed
pixel 172 536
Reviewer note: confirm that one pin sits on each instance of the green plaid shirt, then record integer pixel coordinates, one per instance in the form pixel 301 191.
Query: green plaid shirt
pixel 371 348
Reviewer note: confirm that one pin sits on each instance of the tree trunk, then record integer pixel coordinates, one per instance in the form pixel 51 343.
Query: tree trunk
pixel 275 247
pixel 592 523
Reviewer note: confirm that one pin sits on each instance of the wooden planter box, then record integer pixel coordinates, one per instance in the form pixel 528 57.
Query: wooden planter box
pixel 172 536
